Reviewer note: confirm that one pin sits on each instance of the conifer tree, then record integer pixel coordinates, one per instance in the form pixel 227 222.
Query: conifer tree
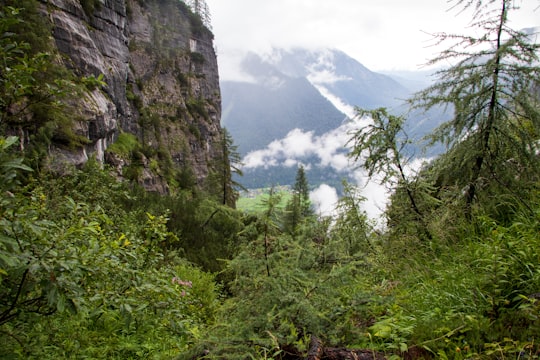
pixel 270 228
pixel 220 181
pixel 200 7
pixel 379 146
pixel 299 207
pixel 490 86
pixel 351 224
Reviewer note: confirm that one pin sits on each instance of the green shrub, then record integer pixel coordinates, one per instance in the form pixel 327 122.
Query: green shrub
pixel 474 295
pixel 91 279
pixel 197 57
pixel 284 290
pixel 124 145
pixel 89 6
pixel 197 108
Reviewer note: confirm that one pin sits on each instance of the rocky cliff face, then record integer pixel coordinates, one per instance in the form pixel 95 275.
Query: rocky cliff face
pixel 162 85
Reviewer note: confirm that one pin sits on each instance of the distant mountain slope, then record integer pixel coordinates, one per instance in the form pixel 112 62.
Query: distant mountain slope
pixel 313 92
pixel 256 114
pixel 343 76
pixel 299 89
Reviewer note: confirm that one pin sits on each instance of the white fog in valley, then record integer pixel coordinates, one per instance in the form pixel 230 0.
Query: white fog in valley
pixel 330 150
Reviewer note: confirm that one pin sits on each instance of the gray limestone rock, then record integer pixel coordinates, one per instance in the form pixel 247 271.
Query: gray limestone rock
pixel 162 81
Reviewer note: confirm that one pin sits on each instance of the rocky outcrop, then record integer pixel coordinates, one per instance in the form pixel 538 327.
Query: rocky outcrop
pixel 162 84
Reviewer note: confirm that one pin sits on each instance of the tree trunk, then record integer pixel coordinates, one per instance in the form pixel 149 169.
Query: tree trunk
pixel 487 129
pixel 317 351
pixel 347 354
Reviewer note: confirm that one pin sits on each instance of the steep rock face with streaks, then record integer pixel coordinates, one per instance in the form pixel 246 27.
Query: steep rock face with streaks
pixel 162 87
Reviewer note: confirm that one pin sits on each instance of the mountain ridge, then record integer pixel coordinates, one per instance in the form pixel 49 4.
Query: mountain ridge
pixel 281 83
pixel 303 98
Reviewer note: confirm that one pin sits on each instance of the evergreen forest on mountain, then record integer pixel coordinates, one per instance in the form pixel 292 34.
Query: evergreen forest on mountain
pixel 94 267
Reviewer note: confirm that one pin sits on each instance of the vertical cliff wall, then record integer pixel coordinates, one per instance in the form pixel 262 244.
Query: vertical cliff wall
pixel 162 100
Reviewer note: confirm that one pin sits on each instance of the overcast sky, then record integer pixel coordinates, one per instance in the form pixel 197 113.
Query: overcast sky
pixel 381 34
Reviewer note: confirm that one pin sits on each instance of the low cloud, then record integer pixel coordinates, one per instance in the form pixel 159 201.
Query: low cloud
pixel 328 150
pixel 298 146
pixel 325 76
pixel 323 71
pixel 324 199
pixel 336 101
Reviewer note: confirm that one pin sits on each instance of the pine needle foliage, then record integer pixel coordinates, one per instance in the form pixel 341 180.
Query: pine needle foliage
pixel 379 147
pixel 490 87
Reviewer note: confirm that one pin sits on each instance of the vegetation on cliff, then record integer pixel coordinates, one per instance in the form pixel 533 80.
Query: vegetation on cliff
pixel 94 267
